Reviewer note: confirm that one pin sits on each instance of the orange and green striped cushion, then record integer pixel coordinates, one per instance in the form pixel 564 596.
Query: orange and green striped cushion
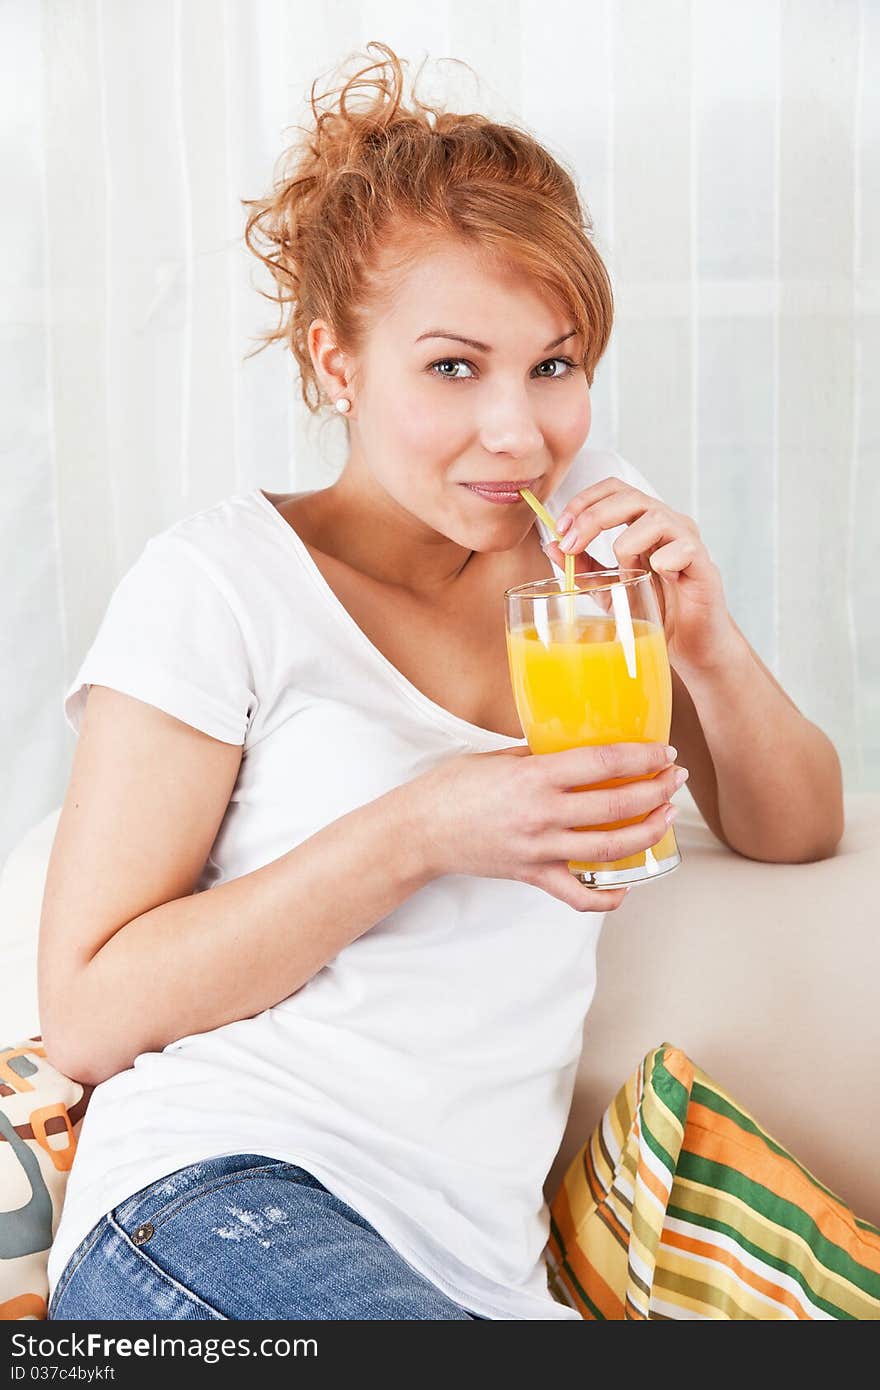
pixel 681 1206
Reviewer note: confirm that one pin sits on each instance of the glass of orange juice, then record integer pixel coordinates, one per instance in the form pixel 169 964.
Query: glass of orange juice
pixel 589 665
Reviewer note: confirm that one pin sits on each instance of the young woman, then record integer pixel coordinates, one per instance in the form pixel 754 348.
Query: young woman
pixel 333 1085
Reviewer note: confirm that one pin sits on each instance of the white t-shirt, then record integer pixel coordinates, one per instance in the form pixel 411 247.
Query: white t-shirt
pixel 425 1073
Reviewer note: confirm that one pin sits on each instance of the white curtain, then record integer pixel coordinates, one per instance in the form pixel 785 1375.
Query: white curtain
pixel 727 150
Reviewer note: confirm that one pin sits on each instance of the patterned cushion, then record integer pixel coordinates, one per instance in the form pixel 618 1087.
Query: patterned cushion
pixel 41 1115
pixel 681 1206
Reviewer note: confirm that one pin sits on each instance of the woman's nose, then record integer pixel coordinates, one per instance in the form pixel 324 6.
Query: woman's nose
pixel 511 428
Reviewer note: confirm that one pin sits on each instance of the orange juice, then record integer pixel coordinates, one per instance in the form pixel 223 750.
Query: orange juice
pixel 576 690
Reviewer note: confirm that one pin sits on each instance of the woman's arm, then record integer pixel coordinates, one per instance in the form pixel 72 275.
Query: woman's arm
pixel 767 781
pixel 129 958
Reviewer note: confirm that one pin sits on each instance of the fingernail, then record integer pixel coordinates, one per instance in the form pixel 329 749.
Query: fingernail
pixel 671 814
pixel 568 542
pixel 671 753
pixel 563 524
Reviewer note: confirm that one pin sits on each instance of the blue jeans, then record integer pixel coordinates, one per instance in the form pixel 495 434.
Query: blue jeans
pixel 242 1236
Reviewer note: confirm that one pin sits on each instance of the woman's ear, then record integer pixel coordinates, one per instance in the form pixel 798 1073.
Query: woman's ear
pixel 329 361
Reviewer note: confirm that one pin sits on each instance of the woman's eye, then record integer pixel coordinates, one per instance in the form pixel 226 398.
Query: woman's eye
pixel 566 362
pixel 449 362
pixel 454 362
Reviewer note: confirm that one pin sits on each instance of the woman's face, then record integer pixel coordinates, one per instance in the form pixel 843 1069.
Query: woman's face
pixel 430 414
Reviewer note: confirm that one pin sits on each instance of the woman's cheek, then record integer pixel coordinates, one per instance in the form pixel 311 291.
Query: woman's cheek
pixel 428 429
pixel 571 428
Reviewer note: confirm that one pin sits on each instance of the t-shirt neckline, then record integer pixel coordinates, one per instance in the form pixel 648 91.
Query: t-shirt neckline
pixel 462 728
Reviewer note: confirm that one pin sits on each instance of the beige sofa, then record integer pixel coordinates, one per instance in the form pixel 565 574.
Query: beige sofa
pixel 765 974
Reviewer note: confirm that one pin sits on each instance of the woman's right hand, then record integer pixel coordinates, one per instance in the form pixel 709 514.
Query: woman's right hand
pixel 512 814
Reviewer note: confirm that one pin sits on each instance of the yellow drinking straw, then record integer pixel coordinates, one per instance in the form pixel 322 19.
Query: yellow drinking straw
pixel 540 510
pixel 619 602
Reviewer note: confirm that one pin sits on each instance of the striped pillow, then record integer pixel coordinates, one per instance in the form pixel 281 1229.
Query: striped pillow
pixel 681 1206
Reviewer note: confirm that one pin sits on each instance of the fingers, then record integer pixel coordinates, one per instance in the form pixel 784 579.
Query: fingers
pixel 584 566
pixel 678 555
pixel 560 882
pixel 607 508
pixel 603 762
pixel 583 561
pixel 654 528
pixel 609 898
pixel 595 845
pixel 601 807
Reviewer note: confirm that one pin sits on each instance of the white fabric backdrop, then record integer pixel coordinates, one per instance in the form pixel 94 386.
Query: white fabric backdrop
pixel 728 154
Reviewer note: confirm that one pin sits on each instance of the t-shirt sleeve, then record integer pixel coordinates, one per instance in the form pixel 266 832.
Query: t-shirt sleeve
pixel 170 637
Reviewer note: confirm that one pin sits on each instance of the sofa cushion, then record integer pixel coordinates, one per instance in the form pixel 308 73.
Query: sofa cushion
pixel 41 1114
pixel 681 1206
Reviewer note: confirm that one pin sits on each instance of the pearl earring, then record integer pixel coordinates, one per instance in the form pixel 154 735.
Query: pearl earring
pixel 343 405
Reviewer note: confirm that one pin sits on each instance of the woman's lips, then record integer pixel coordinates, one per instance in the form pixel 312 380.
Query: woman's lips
pixel 502 493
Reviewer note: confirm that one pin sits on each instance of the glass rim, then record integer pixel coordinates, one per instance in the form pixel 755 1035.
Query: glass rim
pixel 540 588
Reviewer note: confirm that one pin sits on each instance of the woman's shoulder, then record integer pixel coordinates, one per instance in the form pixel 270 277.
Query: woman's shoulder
pixel 230 540
pixel 215 525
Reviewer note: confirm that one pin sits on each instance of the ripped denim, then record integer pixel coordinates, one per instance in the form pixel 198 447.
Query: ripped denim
pixel 240 1237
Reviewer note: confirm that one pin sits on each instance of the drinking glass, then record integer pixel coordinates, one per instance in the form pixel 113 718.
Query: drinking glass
pixel 589 665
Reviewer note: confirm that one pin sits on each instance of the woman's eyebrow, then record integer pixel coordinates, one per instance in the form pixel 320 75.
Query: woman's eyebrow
pixel 484 347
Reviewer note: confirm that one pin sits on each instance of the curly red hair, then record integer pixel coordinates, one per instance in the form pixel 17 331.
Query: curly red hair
pixel 369 189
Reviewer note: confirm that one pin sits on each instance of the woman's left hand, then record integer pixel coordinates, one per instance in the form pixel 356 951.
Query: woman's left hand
pixel 698 627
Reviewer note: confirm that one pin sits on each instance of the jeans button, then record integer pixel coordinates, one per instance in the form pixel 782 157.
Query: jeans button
pixel 142 1234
